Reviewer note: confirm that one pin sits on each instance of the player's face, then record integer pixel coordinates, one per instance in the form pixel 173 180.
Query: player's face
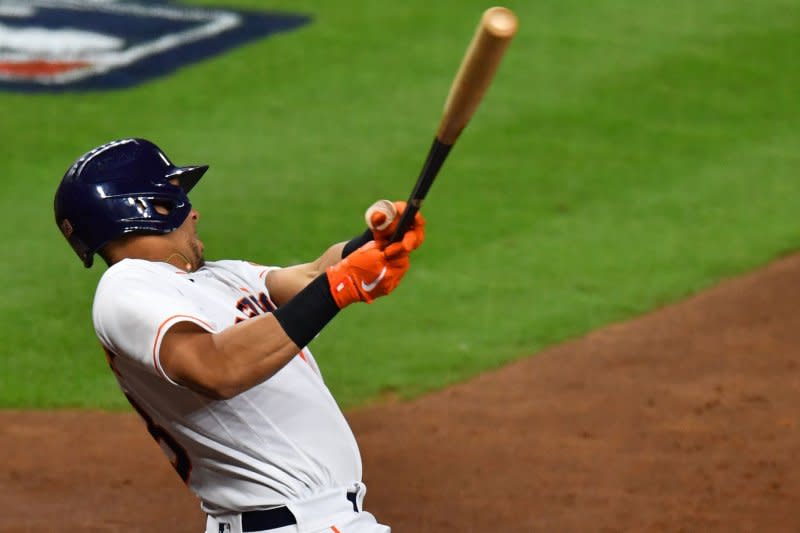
pixel 188 243
pixel 185 238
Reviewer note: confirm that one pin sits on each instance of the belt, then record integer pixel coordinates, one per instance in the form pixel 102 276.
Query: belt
pixel 277 517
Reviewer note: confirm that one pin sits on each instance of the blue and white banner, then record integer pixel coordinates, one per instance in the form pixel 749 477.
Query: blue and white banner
pixel 57 45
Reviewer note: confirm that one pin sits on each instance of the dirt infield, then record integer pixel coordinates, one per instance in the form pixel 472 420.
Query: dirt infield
pixel 683 420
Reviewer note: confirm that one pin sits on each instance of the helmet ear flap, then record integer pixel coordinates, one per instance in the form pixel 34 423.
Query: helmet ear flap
pixel 83 251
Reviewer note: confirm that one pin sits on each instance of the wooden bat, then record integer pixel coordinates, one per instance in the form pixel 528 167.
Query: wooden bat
pixel 495 30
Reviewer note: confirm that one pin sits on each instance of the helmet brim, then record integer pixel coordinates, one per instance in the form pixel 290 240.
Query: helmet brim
pixel 188 176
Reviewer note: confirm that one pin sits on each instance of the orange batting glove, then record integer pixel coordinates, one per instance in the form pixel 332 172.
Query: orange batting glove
pixel 383 217
pixel 366 274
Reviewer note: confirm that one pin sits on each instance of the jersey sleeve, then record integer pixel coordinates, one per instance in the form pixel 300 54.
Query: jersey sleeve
pixel 133 310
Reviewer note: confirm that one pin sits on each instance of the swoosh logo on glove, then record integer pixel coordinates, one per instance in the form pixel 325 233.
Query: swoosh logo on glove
pixel 368 287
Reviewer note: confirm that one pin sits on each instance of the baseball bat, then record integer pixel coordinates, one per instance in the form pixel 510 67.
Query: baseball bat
pixel 495 30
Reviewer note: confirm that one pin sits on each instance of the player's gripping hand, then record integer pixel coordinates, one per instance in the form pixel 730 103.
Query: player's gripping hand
pixel 366 274
pixel 383 217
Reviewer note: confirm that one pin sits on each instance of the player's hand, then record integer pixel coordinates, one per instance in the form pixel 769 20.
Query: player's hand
pixel 383 217
pixel 366 274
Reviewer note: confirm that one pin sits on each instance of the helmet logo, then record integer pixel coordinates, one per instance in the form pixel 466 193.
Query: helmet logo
pixel 66 228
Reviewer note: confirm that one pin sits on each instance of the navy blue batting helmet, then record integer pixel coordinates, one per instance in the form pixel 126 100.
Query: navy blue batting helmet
pixel 114 189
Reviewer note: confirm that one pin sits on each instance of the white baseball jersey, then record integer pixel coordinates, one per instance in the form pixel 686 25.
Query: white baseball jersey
pixel 285 439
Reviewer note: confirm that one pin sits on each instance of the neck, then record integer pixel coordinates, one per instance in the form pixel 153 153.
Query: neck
pixel 150 247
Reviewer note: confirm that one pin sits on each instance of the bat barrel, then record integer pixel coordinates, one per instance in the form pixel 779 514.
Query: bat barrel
pixel 495 30
pixel 493 35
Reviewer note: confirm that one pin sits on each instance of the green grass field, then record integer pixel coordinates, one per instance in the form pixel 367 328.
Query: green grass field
pixel 627 155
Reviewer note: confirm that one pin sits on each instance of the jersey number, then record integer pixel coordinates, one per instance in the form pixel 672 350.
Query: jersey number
pixel 174 451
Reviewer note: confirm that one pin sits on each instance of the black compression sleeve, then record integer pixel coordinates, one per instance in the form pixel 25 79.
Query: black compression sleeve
pixel 356 243
pixel 310 310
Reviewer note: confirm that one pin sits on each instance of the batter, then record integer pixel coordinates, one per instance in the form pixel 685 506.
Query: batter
pixel 213 355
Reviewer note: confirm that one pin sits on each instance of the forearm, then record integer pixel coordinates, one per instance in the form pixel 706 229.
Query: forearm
pixel 278 336
pixel 249 353
pixel 224 364
pixel 285 283
pixel 331 256
pixel 339 251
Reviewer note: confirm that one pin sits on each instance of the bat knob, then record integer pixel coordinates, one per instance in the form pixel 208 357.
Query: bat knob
pixel 384 207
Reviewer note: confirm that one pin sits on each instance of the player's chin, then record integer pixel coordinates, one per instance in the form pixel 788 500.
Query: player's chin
pixel 199 258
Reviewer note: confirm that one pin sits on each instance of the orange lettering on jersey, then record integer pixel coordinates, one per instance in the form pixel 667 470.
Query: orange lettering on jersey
pixel 252 306
pixel 247 307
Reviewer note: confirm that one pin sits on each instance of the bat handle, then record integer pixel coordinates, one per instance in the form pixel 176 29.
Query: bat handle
pixel 436 156
pixel 405 221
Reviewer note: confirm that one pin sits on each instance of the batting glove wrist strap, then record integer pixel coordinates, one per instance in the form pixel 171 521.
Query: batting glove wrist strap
pixel 310 310
pixel 367 273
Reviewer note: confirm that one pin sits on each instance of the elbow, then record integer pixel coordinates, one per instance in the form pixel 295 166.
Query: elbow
pixel 214 383
pixel 217 393
pixel 219 387
pixel 225 391
pixel 226 364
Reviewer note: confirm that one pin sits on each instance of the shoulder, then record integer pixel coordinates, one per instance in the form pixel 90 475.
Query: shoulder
pixel 136 288
pixel 238 268
pixel 232 264
pixel 224 264
pixel 131 271
pixel 137 278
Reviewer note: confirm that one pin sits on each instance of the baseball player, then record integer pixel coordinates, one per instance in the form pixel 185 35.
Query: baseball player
pixel 213 355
